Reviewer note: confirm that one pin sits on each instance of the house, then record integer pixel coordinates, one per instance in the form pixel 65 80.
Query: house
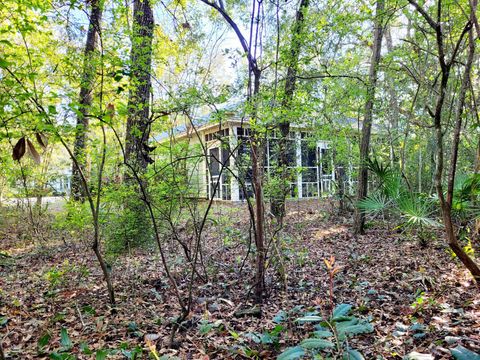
pixel 224 172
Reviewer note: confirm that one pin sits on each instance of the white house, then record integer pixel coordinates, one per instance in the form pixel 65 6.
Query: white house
pixel 226 161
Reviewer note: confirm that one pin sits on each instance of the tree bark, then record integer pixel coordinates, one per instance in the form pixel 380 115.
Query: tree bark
pixel 447 204
pixel 367 121
pixel 278 202
pixel 138 122
pixel 86 98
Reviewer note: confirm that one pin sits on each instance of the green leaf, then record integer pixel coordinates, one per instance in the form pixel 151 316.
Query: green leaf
pixel 316 344
pixel 101 354
pixel 341 311
pixel 322 333
pixel 132 354
pixel 85 349
pixel 44 340
pixel 205 327
pixel 280 317
pixel 373 204
pixel 132 326
pixel 461 353
pixel 309 319
pixel 52 109
pixel 65 340
pixel 61 356
pixel 4 63
pixel 353 327
pixel 255 337
pixel 351 354
pixel 6 42
pixel 291 353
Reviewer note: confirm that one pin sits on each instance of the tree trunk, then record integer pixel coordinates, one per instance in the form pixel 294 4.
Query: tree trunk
pixel 477 158
pixel 138 122
pixel 85 99
pixel 258 217
pixel 367 121
pixel 447 204
pixel 394 110
pixel 257 179
pixel 278 202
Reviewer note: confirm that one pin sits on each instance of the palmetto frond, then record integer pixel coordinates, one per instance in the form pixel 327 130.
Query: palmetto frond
pixel 374 203
pixel 417 211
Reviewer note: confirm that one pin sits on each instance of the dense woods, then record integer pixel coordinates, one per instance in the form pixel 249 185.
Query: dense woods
pixel 230 179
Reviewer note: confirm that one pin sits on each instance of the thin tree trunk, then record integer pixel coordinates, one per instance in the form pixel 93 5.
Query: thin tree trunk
pixel 367 121
pixel 477 171
pixel 86 98
pixel 258 218
pixel 477 158
pixel 138 122
pixel 257 179
pixel 96 223
pixel 394 111
pixel 278 203
pixel 420 169
pixel 447 204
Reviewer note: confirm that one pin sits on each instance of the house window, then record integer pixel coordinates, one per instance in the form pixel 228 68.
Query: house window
pixel 326 161
pixel 309 154
pixel 218 135
pixel 310 171
pixel 218 179
pixel 214 162
pixel 274 150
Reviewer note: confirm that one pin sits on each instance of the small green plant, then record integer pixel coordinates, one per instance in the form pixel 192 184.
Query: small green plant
pixel 231 236
pixel 251 344
pixel 59 276
pixel 270 338
pixel 422 302
pixel 204 326
pixel 331 335
pixel 66 350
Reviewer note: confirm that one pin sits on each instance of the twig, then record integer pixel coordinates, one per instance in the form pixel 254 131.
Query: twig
pixel 79 314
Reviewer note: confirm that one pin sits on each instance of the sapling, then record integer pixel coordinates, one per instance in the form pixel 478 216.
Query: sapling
pixel 332 270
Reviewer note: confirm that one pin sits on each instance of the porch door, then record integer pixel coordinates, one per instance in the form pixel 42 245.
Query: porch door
pixel 324 169
pixel 214 174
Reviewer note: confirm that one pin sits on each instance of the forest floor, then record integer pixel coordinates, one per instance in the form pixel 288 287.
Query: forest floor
pixel 417 298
